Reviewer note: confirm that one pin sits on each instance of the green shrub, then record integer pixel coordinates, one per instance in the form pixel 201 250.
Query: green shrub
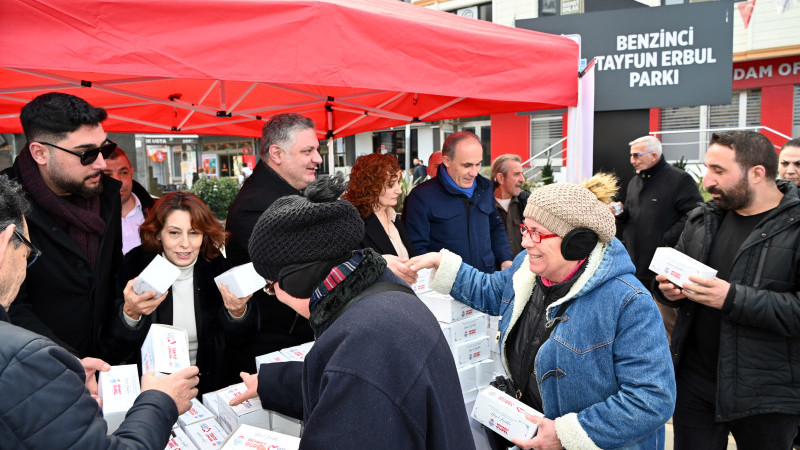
pixel 217 193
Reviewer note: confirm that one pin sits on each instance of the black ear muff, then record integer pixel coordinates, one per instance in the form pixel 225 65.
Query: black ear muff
pixel 578 243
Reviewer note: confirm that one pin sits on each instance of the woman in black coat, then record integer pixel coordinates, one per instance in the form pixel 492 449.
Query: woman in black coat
pixel 374 189
pixel 182 229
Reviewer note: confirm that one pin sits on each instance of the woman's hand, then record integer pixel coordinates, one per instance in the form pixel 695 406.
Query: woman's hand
pixel 398 266
pixel 546 437
pixel 427 261
pixel 235 306
pixel 137 305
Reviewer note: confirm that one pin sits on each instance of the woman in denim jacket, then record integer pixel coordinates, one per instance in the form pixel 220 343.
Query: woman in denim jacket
pixel 580 337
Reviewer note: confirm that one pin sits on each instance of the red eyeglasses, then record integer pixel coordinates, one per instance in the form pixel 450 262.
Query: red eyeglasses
pixel 534 235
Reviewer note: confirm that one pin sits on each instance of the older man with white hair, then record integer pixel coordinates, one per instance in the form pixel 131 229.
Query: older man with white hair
pixel 658 199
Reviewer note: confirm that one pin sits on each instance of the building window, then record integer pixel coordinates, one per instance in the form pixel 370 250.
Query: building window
pixel 687 127
pixel 546 129
pixel 481 11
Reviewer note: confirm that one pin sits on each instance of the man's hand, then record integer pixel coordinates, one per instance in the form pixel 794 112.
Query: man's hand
pixel 546 437
pixel 707 291
pixel 235 306
pixel 90 367
pixel 399 267
pixel 181 386
pixel 137 305
pixel 427 261
pixel 670 291
pixel 251 381
pixel 505 265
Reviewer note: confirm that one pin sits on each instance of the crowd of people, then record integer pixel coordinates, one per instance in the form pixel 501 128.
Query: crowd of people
pixel 607 350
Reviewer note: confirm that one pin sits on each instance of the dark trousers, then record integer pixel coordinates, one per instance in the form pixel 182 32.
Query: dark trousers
pixel 695 428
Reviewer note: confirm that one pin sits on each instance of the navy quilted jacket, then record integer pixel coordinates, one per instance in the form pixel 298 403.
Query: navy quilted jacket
pixel 44 403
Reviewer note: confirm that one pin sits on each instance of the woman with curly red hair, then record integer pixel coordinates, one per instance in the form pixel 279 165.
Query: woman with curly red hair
pixel 182 229
pixel 374 189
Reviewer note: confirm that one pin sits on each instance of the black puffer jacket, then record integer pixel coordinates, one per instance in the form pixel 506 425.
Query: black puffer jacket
pixel 758 370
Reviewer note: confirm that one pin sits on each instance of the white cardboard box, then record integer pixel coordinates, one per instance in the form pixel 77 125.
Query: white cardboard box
pixel 196 413
pixel 211 401
pixel 165 349
pixel 297 353
pixel 466 376
pixel 157 276
pixel 423 281
pixel 470 328
pixel 250 412
pixel 447 331
pixel 178 440
pixel 470 352
pixel 118 387
pixel 678 267
pixel 504 414
pixel 269 358
pixel 285 424
pixel 486 371
pixel 207 434
pixel 444 308
pixel 241 280
pixel 249 437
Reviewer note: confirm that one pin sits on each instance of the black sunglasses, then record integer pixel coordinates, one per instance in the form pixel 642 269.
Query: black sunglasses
pixel 34 253
pixel 90 156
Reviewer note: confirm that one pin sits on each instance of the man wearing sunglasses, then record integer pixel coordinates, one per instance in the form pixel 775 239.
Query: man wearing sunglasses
pixel 74 219
pixel 658 199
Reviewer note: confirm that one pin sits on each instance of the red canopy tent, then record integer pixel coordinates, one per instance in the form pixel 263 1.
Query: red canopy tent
pixel 224 66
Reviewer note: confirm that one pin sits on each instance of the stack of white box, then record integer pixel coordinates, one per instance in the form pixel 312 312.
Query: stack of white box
pixel 277 421
pixel 472 337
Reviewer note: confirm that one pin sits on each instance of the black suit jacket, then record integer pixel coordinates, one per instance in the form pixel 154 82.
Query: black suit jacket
pixel 281 326
pixel 376 238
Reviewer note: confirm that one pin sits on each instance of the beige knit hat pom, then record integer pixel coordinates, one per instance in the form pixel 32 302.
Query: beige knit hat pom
pixel 562 207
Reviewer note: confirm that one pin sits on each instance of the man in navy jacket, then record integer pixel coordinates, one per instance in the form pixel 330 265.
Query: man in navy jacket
pixel 456 209
pixel 45 392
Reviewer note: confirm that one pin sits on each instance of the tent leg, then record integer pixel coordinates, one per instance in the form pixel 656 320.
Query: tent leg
pixel 331 152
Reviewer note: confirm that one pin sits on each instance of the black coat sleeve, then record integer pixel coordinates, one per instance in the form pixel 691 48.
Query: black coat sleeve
pixel 280 388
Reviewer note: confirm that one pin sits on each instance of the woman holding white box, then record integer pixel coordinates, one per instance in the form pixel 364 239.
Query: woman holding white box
pixel 182 229
pixel 581 338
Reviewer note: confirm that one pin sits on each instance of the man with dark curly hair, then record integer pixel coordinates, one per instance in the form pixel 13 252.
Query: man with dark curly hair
pixel 74 219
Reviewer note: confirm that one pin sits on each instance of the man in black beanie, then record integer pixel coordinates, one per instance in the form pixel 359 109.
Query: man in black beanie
pixel 380 374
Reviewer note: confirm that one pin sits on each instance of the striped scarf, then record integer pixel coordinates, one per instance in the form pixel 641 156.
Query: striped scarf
pixel 336 276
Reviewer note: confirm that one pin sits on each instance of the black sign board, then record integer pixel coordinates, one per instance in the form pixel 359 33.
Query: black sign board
pixel 666 56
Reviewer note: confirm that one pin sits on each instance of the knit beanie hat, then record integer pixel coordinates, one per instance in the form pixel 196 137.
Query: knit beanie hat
pixel 562 207
pixel 305 229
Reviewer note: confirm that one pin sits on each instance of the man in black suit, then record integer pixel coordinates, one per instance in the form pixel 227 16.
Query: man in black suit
pixel 289 160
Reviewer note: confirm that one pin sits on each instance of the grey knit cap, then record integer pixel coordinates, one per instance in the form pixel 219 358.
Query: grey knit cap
pixel 562 207
pixel 300 229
